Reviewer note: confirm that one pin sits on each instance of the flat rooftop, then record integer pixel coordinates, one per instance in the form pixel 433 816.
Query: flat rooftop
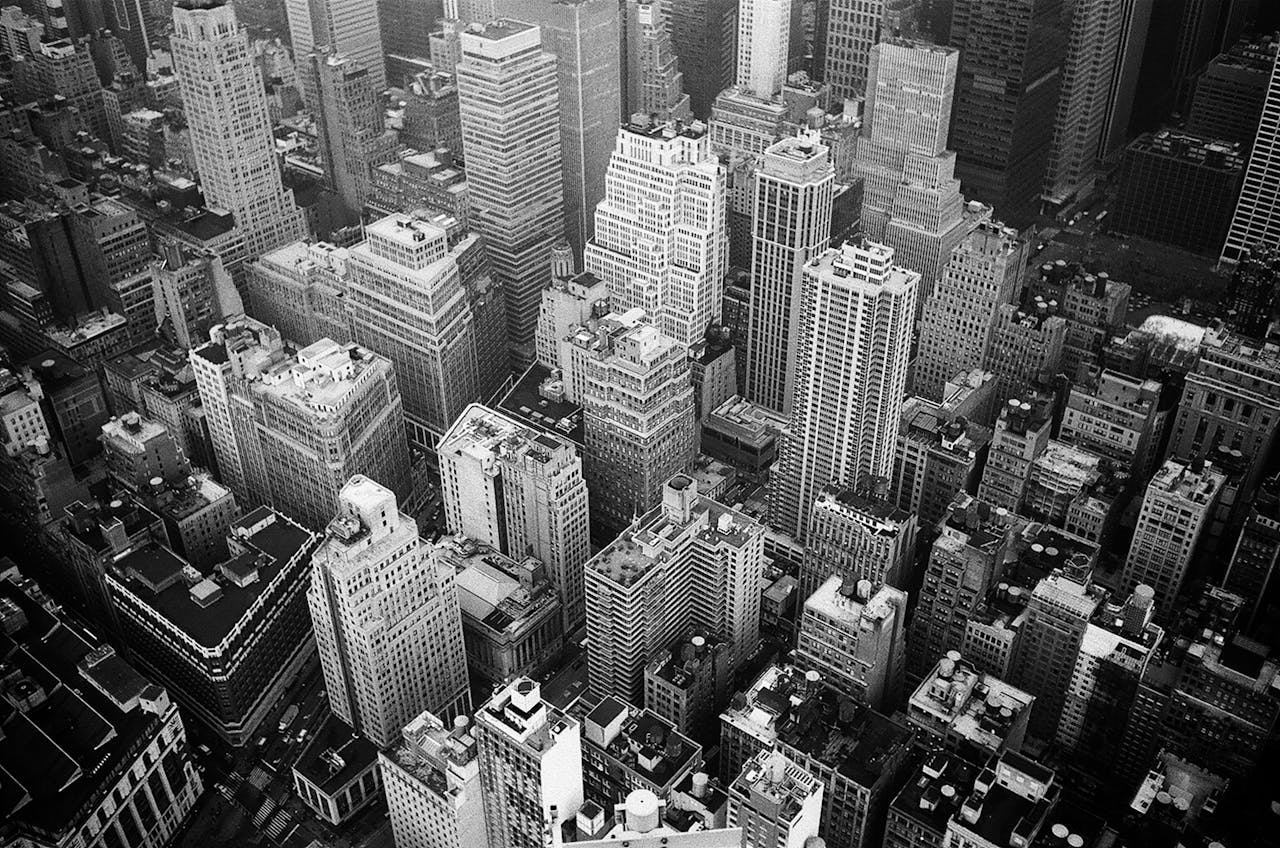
pixel 335 756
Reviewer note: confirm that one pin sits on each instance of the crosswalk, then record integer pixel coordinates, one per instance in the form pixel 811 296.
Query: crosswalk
pixel 267 815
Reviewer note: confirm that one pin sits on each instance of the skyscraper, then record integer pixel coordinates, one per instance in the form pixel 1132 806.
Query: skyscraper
pixel 956 323
pixel 763 40
pixel 388 627
pixel 1257 218
pixel 702 33
pixel 581 34
pixel 911 198
pixel 848 32
pixel 692 561
pixel 509 102
pixel 520 492
pixel 661 241
pixel 226 109
pixel 530 765
pixel 858 536
pixel 792 224
pixel 405 298
pixel 346 27
pixel 1010 73
pixel 652 83
pixel 854 342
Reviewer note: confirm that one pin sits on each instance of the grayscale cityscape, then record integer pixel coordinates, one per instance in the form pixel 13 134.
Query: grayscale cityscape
pixel 639 423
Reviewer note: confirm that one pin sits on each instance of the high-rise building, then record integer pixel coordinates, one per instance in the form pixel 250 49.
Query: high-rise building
pixel 1231 91
pixel 226 110
pixel 626 748
pixel 347 28
pixel 958 318
pixel 661 241
pixel 1257 555
pixel 973 713
pixel 509 103
pixel 1088 70
pixel 1251 293
pixel 1176 510
pixel 1257 217
pixel 791 224
pixel 566 303
pixel 1026 347
pixel 1231 398
pixel 388 626
pixel 855 637
pixel 520 492
pixel 854 340
pixel 350 126
pixel 1049 642
pixel 776 802
pixel 1022 434
pixel 703 36
pixel 431 779
pixel 300 290
pixel 941 452
pixel 690 562
pixel 652 83
pixel 1179 189
pixel 763 41
pixel 1019 798
pixel 858 535
pixel 530 765
pixel 687 684
pixel 288 431
pixel 582 35
pixel 638 416
pixel 405 299
pixel 1118 417
pixel 1010 74
pixel 848 29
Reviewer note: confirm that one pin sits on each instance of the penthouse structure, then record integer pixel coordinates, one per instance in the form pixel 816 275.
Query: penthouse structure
pixel 387 651
pixel 691 562
pixel 661 242
pixel 228 638
pixel 520 492
pixel 625 749
pixel 126 774
pixel 290 430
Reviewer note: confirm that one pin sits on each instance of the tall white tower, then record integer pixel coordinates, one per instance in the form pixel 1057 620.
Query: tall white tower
pixel 388 626
pixel 764 31
pixel 226 109
pixel 661 240
pixel 509 105
pixel 857 310
pixel 791 225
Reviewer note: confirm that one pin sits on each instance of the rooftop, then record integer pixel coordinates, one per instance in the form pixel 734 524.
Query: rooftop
pixel 644 743
pixel 335 756
pixel 529 401
pixel 936 789
pixel 977 707
pixel 495 591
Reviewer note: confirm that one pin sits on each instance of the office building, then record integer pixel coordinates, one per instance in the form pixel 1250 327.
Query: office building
pixel 350 125
pixel 1251 293
pixel 855 637
pixel 529 751
pixel 1011 800
pixel 858 755
pixel 1257 216
pixel 431 779
pixel 1118 417
pixel 638 417
pixel 661 242
pixel 405 298
pixel 581 35
pixel 857 312
pixel 520 492
pixel 509 105
pixel 566 303
pixel 857 534
pixel 763 41
pixel 72 401
pixel 1089 67
pixel 1179 189
pixel 337 775
pixel 300 290
pixel 957 320
pixel 431 120
pixel 911 198
pixel 968 711
pixel 227 638
pixel 290 430
pixel 389 650
pixel 347 28
pixel 692 561
pixel 1022 435
pixel 791 224
pixel 137 450
pixel 652 82
pixel 776 802
pixel 1027 346
pixel 1093 305
pixel 940 454
pixel 703 37
pixel 687 684
pixel 846 35
pixel 1176 510
pixel 226 110
pixel 1254 560
pixel 1010 73
pixel 1230 92
pixel 1232 398
pixel 126 775
pixel 626 749
pixel 743 434
pixel 919 814
pixel 510 613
